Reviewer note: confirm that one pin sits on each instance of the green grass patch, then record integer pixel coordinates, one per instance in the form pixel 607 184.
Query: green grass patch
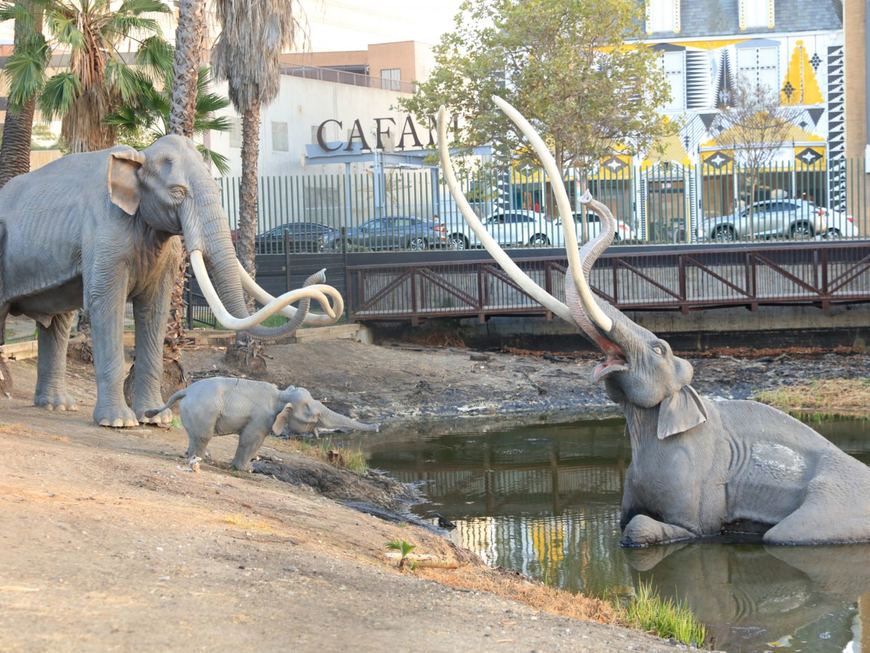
pixel 667 618
pixel 325 449
pixel 822 399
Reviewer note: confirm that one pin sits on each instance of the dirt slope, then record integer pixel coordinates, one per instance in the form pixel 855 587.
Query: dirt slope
pixel 107 543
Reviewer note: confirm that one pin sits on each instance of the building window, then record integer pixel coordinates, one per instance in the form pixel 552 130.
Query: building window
pixel 674 66
pixel 662 16
pixel 390 78
pixel 759 66
pixel 756 13
pixel 280 140
pixel 235 132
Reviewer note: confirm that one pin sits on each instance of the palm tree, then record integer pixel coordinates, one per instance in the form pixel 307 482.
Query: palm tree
pixel 97 78
pixel 246 54
pixel 189 45
pixel 25 71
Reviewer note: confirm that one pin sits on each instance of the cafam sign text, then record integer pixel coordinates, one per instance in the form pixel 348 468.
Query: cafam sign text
pixel 409 136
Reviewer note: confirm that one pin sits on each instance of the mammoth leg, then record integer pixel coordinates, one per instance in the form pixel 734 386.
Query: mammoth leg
pixel 646 531
pixel 51 364
pixel 151 312
pixel 105 299
pixel 250 440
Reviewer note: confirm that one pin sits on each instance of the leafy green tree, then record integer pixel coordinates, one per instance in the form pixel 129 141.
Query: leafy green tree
pixel 150 117
pixel 575 68
pixel 95 77
pixel 25 71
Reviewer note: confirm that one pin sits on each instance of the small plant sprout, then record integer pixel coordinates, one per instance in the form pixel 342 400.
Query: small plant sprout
pixel 403 547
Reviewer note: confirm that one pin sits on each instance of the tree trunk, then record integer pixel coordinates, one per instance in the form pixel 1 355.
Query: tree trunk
pixel 189 43
pixel 18 128
pixel 248 188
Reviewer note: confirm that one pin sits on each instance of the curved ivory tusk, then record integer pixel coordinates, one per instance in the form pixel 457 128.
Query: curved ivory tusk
pixel 256 291
pixel 317 292
pixel 512 269
pixel 564 206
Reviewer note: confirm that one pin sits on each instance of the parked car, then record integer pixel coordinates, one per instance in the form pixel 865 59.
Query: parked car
pixel 395 232
pixel 838 224
pixel 593 227
pixel 780 218
pixel 302 237
pixel 531 228
pixel 512 228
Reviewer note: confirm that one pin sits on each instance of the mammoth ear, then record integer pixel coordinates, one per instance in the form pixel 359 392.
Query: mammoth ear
pixel 123 182
pixel 680 412
pixel 281 419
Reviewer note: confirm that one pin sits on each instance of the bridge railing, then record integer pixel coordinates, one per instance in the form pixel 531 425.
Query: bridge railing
pixel 677 278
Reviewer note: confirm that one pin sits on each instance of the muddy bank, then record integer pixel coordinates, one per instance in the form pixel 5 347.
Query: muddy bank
pixel 109 541
pixel 400 384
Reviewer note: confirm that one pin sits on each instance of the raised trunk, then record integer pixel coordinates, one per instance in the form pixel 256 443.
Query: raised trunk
pixel 18 128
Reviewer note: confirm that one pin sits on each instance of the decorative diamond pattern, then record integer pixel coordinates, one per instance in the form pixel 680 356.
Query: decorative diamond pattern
pixel 788 89
pixel 718 160
pixel 815 61
pixel 809 156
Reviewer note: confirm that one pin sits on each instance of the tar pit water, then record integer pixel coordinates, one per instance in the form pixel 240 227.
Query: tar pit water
pixel 544 500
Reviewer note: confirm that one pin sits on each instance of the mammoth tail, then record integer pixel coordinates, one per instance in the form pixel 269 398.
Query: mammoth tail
pixel 181 394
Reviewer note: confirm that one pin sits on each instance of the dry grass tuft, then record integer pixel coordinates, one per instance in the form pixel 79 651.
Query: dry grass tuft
pixel 819 399
pixel 516 588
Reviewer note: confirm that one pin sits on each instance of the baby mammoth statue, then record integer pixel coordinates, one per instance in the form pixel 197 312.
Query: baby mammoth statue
pixel 226 405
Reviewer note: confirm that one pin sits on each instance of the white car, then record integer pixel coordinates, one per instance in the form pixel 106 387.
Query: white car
pixel 525 228
pixel 512 228
pixel 837 224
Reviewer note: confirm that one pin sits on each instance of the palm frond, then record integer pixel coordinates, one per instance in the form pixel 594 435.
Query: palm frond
pixel 25 70
pixel 126 80
pixel 215 123
pixel 63 27
pixel 219 160
pixel 155 55
pixel 137 7
pixel 58 95
pixel 122 25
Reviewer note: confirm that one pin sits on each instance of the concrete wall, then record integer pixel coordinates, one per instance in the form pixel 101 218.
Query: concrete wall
pixel 303 104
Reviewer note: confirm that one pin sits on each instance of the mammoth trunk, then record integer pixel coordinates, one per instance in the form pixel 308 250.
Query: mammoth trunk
pixel 329 419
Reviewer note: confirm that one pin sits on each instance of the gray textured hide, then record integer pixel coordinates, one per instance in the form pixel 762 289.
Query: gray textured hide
pixel 97 229
pixel 226 406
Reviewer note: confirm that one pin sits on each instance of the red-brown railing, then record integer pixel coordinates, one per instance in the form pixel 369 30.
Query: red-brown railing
pixel 441 284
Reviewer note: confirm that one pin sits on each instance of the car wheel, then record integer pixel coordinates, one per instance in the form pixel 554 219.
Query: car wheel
pixel 833 234
pixel 801 230
pixel 457 241
pixel 724 233
pixel 539 240
pixel 417 244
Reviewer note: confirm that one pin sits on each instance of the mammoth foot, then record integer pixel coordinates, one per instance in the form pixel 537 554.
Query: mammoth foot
pixel 55 401
pixel 645 531
pixel 163 417
pixel 115 416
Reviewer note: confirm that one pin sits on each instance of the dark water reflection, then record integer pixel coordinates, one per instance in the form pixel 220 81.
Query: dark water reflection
pixel 544 500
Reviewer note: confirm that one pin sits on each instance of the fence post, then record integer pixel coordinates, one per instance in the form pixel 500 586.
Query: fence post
pixel 287 278
pixel 189 293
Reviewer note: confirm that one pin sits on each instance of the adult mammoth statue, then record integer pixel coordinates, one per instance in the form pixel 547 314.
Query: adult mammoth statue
pixel 93 230
pixel 699 467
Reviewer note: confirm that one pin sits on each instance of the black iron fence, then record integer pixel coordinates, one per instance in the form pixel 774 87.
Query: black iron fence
pixel 714 202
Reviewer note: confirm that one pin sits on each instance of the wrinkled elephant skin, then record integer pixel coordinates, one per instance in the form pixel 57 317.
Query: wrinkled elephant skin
pixel 95 230
pixel 251 409
pixel 699 467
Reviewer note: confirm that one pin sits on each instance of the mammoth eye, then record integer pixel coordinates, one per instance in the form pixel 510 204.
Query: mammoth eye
pixel 659 349
pixel 177 192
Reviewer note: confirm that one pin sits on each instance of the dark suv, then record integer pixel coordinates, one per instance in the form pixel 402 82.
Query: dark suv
pixel 302 237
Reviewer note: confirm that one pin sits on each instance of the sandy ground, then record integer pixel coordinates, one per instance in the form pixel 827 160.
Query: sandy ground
pixel 108 543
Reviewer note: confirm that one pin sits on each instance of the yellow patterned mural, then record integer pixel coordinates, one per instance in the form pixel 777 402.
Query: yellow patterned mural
pixel 800 86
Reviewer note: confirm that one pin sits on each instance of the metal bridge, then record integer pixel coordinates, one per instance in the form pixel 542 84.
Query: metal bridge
pixel 415 286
